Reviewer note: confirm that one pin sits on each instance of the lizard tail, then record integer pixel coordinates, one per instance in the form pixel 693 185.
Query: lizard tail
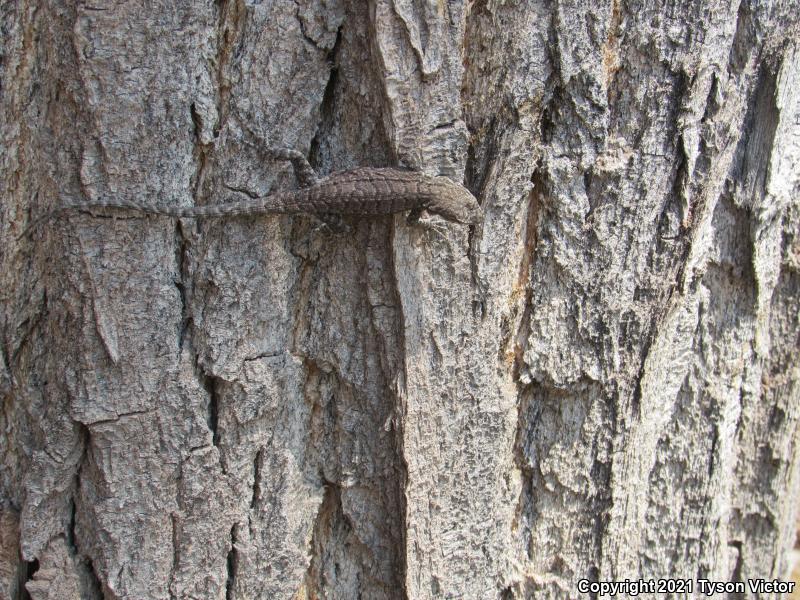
pixel 30 227
pixel 277 203
pixel 158 209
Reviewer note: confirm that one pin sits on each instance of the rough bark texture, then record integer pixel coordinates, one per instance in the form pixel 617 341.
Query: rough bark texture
pixel 600 381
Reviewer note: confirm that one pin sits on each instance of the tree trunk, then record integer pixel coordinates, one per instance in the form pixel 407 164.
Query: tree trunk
pixel 599 382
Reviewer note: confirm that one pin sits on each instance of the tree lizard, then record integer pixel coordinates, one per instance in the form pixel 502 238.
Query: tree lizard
pixel 362 191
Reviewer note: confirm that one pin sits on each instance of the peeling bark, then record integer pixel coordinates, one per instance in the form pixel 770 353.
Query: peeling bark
pixel 599 382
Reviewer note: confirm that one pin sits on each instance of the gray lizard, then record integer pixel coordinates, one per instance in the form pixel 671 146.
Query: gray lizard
pixel 361 191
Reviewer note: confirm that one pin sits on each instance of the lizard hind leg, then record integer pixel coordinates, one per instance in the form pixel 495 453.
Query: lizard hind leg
pixel 315 233
pixel 333 223
pixel 303 171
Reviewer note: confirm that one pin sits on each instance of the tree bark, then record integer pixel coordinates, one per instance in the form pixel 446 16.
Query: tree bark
pixel 599 382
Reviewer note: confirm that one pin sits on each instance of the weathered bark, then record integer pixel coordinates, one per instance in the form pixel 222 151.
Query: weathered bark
pixel 599 382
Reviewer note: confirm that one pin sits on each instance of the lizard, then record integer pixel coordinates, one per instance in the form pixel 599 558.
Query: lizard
pixel 367 191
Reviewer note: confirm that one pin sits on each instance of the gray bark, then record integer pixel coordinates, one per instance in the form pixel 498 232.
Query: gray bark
pixel 599 382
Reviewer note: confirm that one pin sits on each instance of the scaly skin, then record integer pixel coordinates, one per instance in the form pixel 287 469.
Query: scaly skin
pixel 362 191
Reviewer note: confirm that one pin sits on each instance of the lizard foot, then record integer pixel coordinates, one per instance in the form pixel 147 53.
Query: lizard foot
pixel 426 223
pixel 333 223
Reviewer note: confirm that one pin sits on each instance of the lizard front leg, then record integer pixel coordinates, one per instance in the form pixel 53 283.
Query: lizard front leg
pixel 413 216
pixel 413 219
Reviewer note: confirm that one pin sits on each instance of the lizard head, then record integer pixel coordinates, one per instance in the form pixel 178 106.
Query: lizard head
pixel 454 202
